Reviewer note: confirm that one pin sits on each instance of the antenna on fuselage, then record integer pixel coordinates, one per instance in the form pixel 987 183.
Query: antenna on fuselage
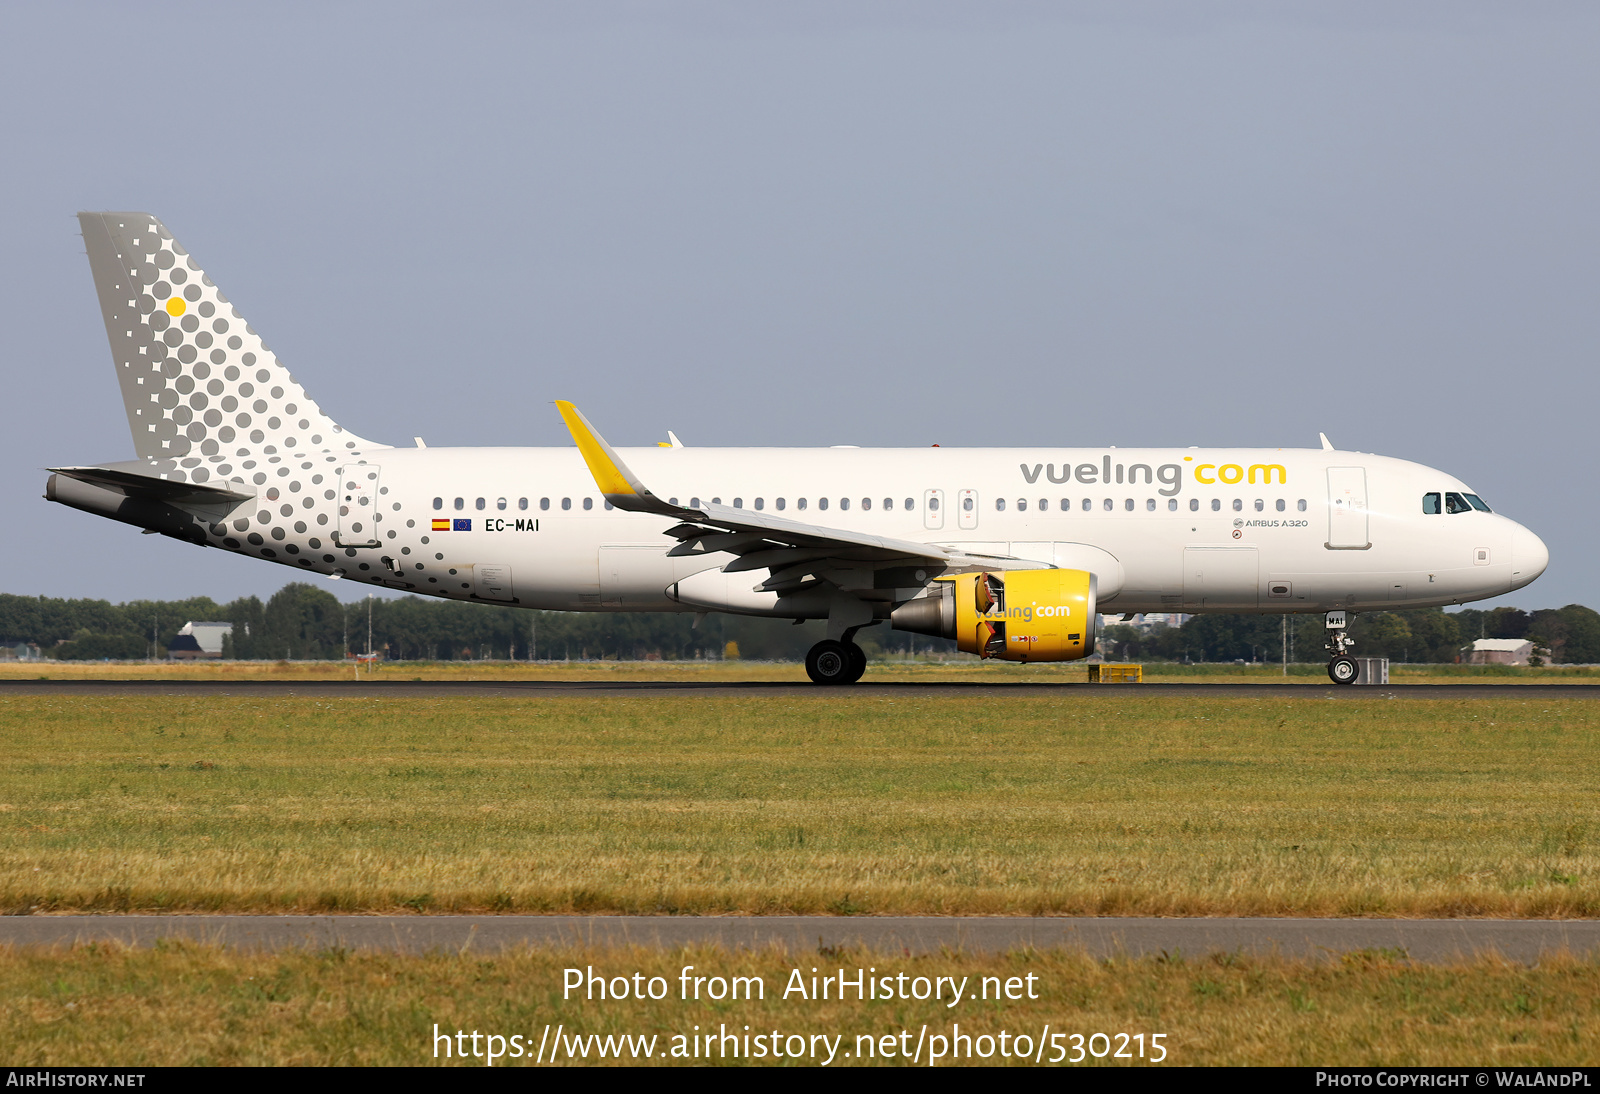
pixel 1327 445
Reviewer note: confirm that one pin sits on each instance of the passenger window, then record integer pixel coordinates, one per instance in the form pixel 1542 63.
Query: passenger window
pixel 1216 504
pixel 1194 505
pixel 481 503
pixel 609 507
pixel 844 503
pixel 1087 505
pixel 911 503
pixel 1150 505
pixel 499 503
pixel 761 503
pixel 1281 504
pixel 801 504
pixel 1128 505
pixel 716 501
pixel 438 503
pixel 1108 505
pixel 966 504
pixel 738 503
pixel 1301 505
pixel 1172 505
pixel 1044 504
pixel 544 503
pixel 694 503
pixel 1238 504
pixel 461 503
pixel 1430 504
pixel 866 504
pixel 1260 505
pixel 822 503
pixel 1455 503
pixel 888 505
pixel 566 503
pixel 588 503
pixel 672 501
pixel 1478 503
pixel 1022 505
pixel 522 503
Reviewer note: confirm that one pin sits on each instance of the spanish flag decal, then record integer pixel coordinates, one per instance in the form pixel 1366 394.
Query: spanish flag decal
pixel 441 524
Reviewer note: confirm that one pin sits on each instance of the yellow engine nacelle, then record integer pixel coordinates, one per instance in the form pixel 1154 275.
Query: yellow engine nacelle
pixel 1016 615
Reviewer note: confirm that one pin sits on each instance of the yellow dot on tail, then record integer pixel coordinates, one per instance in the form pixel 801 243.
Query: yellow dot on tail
pixel 176 306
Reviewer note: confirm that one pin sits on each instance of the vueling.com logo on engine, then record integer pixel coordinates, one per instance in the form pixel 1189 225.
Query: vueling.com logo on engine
pixel 1026 613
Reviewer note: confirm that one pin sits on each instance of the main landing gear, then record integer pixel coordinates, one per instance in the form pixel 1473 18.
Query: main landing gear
pixel 1342 669
pixel 832 662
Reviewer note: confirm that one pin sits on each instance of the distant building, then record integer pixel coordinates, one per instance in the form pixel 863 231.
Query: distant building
pixel 199 640
pixel 19 651
pixel 1499 651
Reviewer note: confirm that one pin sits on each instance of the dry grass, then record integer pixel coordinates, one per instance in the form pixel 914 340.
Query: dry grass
pixel 1091 802
pixel 186 1005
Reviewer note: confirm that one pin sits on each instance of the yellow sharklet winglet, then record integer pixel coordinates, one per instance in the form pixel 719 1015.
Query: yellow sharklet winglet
pixel 619 485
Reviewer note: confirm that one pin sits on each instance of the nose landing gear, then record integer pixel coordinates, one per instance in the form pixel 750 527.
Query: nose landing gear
pixel 1342 669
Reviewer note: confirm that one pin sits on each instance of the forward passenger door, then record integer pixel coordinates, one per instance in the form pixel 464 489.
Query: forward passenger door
pixel 1347 509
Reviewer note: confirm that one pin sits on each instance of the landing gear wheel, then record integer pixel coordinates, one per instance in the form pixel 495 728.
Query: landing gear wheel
pixel 1343 670
pixel 829 662
pixel 858 663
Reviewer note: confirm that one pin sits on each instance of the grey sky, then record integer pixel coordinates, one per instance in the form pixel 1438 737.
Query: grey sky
pixel 1162 224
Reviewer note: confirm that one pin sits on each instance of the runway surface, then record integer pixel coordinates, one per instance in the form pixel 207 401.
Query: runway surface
pixel 408 689
pixel 1426 940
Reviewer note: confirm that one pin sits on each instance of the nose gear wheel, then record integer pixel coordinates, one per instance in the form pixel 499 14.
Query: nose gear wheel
pixel 1342 668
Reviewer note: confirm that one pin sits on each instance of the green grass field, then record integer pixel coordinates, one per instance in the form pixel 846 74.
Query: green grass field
pixel 1093 801
pixel 181 1005
pixel 888 670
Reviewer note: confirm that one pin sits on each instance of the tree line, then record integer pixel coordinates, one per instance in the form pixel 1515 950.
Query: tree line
pixel 306 622
pixel 1569 635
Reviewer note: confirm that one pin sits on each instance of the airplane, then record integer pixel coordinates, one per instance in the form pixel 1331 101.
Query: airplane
pixel 1011 552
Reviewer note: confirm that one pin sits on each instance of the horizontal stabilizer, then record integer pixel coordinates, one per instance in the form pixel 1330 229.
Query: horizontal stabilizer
pixel 134 484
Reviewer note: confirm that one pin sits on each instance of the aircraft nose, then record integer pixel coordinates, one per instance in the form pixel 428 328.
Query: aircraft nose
pixel 1529 557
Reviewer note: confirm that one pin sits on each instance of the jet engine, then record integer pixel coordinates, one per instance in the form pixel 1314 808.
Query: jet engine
pixel 1017 615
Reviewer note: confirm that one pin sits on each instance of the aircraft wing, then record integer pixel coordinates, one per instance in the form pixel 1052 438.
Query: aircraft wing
pixel 795 552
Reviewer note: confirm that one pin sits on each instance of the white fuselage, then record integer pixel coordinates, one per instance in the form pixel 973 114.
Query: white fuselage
pixel 1186 530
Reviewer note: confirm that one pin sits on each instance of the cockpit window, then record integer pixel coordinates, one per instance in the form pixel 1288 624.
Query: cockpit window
pixel 1455 503
pixel 1430 504
pixel 1478 504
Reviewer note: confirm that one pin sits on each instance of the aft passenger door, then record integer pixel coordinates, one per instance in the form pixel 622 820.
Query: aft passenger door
pixel 1347 509
pixel 358 505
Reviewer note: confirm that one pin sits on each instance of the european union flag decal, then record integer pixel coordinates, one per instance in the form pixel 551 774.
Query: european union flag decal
pixel 463 525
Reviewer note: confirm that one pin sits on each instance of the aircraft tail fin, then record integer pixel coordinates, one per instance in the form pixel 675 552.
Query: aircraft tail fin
pixel 198 383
